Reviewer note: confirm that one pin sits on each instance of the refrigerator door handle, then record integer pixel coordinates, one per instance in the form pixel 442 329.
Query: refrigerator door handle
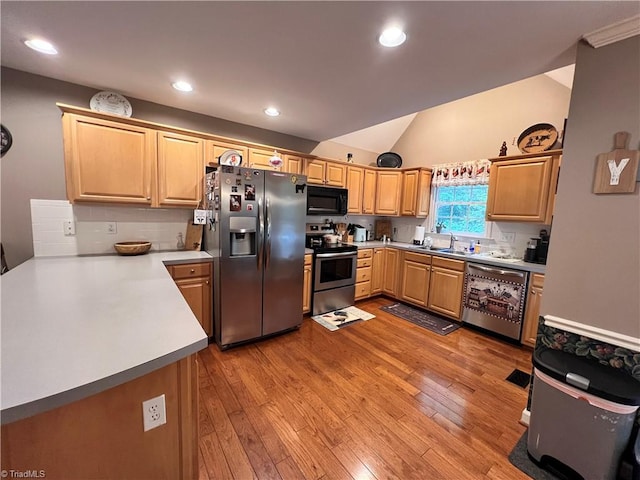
pixel 267 211
pixel 260 234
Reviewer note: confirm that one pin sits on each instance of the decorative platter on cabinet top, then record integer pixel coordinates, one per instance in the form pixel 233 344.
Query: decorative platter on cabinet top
pixel 537 138
pixel 389 159
pixel 111 102
pixel 231 157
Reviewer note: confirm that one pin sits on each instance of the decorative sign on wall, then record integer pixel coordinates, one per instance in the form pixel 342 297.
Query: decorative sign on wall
pixel 617 170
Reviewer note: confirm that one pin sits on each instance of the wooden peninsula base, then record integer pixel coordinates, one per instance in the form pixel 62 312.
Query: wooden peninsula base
pixel 102 436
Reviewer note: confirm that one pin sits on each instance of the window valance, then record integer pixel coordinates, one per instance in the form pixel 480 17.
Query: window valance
pixel 462 173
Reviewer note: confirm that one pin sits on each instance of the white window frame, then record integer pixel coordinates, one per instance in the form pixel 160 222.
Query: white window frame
pixel 433 215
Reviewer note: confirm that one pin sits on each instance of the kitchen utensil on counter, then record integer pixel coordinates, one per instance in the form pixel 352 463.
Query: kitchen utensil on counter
pixel 382 227
pixel 418 236
pixel 331 238
pixel 193 238
pixel 132 248
pixel 360 234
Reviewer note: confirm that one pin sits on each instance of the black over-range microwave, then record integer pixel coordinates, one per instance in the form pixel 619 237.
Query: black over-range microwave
pixel 326 200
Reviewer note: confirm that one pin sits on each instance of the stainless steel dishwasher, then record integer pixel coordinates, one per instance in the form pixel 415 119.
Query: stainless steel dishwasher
pixel 494 299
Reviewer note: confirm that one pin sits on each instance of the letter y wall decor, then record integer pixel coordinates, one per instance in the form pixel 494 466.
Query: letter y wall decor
pixel 617 171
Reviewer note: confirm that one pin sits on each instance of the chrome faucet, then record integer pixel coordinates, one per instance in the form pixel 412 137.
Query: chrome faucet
pixel 452 240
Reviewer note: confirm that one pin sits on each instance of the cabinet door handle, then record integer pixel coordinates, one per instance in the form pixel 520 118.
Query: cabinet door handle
pixel 148 198
pixel 193 270
pixel 207 282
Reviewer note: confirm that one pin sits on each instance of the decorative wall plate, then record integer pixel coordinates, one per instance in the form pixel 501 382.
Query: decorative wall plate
pixel 6 140
pixel 537 138
pixel 231 157
pixel 111 102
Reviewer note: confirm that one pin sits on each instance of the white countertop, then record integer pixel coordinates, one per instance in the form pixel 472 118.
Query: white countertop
pixel 475 258
pixel 75 326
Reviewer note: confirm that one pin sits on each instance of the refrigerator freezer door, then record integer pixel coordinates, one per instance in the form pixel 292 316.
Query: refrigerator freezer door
pixel 284 217
pixel 240 276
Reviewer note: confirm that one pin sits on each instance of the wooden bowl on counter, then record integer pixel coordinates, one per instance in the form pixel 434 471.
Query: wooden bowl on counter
pixel 132 248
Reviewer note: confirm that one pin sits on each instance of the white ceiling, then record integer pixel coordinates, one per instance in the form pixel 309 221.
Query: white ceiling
pixel 318 62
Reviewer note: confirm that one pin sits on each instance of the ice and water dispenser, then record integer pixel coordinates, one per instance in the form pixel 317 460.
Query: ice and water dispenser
pixel 242 232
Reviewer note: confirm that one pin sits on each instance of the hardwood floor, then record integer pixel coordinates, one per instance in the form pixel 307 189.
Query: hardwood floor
pixel 375 400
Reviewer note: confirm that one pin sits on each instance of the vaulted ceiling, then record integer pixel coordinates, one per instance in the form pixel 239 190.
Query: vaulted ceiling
pixel 318 62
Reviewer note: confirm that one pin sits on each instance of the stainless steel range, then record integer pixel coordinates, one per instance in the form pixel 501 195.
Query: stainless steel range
pixel 334 278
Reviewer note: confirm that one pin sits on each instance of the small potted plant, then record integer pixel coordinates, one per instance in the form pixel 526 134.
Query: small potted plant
pixel 440 226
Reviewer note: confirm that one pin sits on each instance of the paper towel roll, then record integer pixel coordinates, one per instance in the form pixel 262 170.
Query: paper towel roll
pixel 419 234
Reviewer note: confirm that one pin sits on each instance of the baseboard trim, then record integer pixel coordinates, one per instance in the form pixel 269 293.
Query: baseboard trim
pixel 613 338
pixel 524 418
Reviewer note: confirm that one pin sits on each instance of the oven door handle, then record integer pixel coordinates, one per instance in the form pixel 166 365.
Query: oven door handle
pixel 335 255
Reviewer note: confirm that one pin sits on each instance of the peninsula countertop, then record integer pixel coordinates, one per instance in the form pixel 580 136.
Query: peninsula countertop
pixel 75 326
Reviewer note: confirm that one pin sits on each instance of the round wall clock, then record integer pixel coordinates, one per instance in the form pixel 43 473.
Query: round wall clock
pixel 537 138
pixel 6 140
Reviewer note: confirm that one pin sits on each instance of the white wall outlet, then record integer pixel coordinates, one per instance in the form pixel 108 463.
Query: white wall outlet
pixel 508 237
pixel 112 227
pixel 154 412
pixel 69 227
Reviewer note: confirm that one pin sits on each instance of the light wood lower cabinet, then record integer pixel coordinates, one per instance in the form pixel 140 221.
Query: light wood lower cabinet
pixel 306 289
pixel 194 282
pixel 445 286
pixel 377 271
pixel 532 312
pixel 391 269
pixel 363 273
pixel 416 271
pixel 102 436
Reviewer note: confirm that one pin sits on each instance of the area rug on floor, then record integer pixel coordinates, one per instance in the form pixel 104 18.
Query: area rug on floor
pixel 423 319
pixel 341 318
pixel 523 462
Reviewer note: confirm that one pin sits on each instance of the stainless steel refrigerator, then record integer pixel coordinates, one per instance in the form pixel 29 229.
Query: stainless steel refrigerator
pixel 256 234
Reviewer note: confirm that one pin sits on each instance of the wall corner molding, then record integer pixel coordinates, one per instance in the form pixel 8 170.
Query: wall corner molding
pixel 614 33
pixel 613 338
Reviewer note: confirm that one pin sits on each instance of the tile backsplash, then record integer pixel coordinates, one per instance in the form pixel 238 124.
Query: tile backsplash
pixel 92 227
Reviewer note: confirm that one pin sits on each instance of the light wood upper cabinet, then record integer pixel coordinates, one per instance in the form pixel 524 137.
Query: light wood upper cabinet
pixel 180 169
pixel 355 184
pixel 534 297
pixel 445 287
pixel 416 271
pixel 293 164
pixel 107 161
pixel 416 192
pixel 369 192
pixel 522 188
pixel 388 192
pixel 325 172
pixel 377 270
pixel 306 284
pixel 215 148
pixel 260 159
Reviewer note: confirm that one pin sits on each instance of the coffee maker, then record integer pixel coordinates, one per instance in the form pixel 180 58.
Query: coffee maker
pixel 537 248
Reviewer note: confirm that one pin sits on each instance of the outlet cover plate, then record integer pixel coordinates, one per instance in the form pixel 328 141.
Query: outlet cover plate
pixel 154 412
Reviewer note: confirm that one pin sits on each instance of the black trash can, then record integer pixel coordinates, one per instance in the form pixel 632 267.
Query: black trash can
pixel 582 413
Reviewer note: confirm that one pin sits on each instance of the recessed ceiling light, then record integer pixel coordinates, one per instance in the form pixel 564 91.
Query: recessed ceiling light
pixel 41 46
pixel 272 111
pixel 182 86
pixel 392 37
